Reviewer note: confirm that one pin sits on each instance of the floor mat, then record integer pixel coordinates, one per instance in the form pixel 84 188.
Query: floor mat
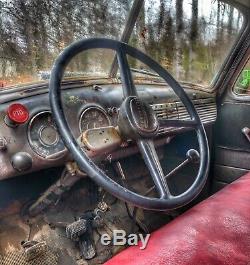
pixel 20 258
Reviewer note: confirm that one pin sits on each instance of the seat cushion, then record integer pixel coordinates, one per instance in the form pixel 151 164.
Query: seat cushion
pixel 215 232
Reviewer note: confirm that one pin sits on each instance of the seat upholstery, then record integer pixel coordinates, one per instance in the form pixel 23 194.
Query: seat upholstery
pixel 214 232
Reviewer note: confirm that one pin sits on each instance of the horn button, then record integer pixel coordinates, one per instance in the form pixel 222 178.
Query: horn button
pixel 137 119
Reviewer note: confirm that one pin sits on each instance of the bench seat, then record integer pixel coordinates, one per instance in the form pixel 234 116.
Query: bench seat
pixel 214 232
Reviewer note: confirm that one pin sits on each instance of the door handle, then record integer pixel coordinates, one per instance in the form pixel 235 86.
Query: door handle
pixel 246 132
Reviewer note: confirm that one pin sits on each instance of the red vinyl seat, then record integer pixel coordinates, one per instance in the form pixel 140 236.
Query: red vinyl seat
pixel 214 232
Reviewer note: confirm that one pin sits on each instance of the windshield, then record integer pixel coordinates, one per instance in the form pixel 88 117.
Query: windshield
pixel 190 38
pixel 33 33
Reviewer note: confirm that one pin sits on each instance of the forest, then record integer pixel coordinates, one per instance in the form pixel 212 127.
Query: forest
pixel 190 38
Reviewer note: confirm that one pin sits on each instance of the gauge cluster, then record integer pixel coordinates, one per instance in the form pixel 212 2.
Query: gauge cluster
pixel 43 136
pixel 93 117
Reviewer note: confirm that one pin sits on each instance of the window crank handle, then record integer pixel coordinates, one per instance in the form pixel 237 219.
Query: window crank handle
pixel 246 132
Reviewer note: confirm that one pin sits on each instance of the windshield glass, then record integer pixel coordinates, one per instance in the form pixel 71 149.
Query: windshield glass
pixel 33 33
pixel 190 38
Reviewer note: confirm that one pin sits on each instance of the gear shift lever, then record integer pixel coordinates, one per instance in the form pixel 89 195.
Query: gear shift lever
pixel 192 156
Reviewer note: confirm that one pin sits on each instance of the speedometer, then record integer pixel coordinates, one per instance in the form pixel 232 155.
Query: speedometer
pixel 43 136
pixel 93 117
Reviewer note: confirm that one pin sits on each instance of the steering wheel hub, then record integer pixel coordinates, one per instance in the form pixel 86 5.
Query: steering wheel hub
pixel 137 119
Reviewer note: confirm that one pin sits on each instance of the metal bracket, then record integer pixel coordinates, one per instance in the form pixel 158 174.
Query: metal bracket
pixel 101 140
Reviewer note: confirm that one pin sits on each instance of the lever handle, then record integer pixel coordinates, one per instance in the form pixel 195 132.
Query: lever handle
pixel 246 132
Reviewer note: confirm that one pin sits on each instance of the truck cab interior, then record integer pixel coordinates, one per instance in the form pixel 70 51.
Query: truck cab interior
pixel 128 116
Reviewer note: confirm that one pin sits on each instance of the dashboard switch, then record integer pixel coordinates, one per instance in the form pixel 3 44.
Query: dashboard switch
pixel 21 161
pixel 16 114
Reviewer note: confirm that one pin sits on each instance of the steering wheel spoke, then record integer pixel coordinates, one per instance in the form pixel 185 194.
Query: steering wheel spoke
pixel 126 76
pixel 152 162
pixel 164 123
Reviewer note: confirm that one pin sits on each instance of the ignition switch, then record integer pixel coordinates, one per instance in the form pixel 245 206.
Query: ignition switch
pixel 16 114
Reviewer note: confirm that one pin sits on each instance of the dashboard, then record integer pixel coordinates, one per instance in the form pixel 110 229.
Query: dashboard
pixel 86 106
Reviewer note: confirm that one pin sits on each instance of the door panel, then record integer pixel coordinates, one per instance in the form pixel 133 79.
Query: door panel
pixel 232 118
pixel 232 149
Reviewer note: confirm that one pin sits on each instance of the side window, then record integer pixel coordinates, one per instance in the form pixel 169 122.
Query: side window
pixel 242 85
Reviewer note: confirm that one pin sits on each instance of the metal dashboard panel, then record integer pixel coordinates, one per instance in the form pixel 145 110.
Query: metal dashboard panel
pixel 162 99
pixel 206 108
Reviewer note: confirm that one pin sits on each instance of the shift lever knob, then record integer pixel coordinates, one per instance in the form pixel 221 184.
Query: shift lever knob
pixel 193 156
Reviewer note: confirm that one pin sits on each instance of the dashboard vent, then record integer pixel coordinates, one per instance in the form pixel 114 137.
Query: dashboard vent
pixel 206 108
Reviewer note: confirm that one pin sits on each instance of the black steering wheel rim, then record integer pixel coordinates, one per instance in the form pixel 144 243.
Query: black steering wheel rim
pixel 87 165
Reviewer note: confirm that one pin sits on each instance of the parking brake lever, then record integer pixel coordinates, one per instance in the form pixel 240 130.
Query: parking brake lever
pixel 246 132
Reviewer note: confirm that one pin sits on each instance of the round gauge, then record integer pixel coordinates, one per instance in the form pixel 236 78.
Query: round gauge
pixel 93 117
pixel 43 136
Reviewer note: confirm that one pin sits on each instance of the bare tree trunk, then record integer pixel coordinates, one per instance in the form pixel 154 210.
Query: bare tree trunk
pixel 194 22
pixel 193 32
pixel 161 17
pixel 179 38
pixel 142 29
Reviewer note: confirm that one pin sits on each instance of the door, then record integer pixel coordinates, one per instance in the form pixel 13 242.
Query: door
pixel 232 133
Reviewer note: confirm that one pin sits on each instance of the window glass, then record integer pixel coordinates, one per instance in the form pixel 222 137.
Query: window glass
pixel 242 85
pixel 190 38
pixel 33 33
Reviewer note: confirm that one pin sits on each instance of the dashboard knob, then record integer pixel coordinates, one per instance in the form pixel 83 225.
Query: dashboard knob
pixel 16 114
pixel 21 161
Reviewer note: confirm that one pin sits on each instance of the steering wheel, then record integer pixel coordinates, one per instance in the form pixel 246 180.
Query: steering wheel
pixel 137 121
